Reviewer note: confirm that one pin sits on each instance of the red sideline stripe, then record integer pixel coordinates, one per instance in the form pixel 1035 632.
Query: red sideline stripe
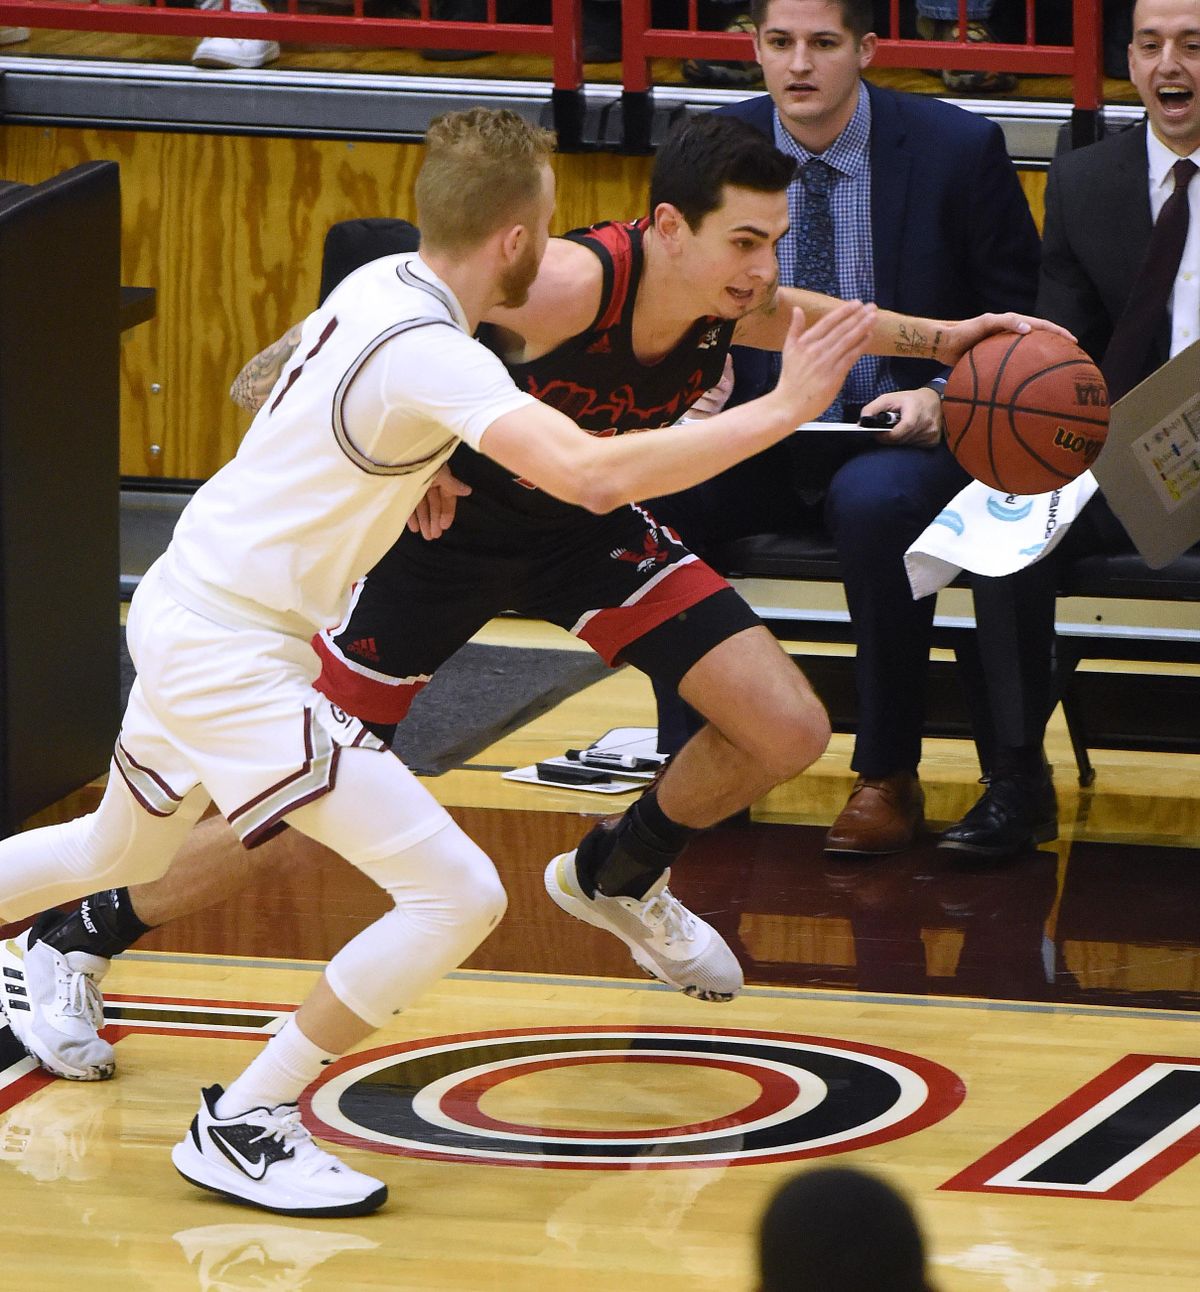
pixel 608 632
pixel 364 697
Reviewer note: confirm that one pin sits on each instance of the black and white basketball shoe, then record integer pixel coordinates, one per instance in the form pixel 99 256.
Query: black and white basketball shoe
pixel 267 1158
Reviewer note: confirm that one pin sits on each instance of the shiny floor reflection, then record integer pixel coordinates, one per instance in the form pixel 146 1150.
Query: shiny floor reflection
pixel 1078 922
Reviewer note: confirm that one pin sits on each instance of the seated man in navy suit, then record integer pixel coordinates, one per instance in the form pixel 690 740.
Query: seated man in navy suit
pixel 927 216
pixel 1104 207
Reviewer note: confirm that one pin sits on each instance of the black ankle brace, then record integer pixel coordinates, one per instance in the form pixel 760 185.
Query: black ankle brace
pixel 103 925
pixel 626 859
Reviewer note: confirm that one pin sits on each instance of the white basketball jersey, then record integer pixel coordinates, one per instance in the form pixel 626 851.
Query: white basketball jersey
pixel 385 382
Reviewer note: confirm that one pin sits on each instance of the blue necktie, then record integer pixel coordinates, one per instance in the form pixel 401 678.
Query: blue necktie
pixel 813 460
pixel 816 267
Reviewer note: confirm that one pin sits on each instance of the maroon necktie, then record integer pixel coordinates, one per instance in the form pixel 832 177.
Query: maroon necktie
pixel 1125 359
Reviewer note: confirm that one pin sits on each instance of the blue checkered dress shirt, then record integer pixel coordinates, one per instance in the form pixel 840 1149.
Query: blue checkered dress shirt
pixel 850 158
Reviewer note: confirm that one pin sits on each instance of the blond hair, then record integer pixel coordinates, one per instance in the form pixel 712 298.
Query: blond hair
pixel 482 167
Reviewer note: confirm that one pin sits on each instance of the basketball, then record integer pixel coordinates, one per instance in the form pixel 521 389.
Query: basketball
pixel 1025 412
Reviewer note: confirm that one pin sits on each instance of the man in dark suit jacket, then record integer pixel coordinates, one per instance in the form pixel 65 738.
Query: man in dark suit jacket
pixel 1101 205
pixel 928 215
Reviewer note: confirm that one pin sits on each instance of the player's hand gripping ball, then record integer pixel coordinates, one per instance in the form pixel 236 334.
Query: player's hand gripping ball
pixel 1025 412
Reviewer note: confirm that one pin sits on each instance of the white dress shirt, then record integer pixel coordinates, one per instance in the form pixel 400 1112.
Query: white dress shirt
pixel 1185 296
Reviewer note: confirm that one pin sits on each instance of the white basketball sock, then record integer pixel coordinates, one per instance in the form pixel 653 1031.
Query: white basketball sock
pixel 289 1062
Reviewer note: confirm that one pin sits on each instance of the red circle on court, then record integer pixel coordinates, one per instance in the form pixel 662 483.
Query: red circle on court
pixel 776 1092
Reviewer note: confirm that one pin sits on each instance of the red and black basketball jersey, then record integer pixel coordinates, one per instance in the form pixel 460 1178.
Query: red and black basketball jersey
pixel 596 379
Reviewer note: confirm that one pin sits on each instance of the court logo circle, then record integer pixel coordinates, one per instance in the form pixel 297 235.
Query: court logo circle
pixel 480 1097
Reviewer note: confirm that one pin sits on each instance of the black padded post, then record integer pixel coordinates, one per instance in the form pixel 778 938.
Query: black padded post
pixel 59 631
pixel 350 244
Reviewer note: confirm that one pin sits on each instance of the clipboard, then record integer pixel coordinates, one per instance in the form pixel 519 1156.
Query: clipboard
pixel 1149 467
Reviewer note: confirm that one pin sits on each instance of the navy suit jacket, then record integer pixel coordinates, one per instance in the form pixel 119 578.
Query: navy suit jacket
pixel 1098 225
pixel 951 229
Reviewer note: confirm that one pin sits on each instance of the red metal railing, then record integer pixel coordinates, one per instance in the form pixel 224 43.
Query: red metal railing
pixel 561 41
pixel 1081 60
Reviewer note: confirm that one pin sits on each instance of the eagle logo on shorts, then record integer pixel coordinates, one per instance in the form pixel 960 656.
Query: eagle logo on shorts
pixel 711 338
pixel 650 558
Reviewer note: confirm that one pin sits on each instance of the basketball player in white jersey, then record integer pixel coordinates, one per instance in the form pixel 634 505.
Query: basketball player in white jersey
pixel 386 381
pixel 727 183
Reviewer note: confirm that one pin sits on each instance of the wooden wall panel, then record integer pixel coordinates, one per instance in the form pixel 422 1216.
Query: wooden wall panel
pixel 1033 182
pixel 229 231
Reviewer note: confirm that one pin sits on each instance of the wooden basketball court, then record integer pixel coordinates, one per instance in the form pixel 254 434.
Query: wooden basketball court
pixel 1013 1044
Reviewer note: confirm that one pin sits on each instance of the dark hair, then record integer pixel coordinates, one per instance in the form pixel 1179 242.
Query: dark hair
pixel 838 1229
pixel 705 153
pixel 858 15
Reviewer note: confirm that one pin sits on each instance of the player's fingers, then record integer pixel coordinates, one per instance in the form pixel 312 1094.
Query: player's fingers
pixel 1013 322
pixel 423 517
pixel 445 515
pixel 796 327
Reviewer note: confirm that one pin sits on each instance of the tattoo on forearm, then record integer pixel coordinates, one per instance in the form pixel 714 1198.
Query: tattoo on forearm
pixel 253 384
pixel 913 342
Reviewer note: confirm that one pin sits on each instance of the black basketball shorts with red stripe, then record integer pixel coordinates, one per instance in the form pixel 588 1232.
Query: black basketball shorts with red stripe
pixel 620 582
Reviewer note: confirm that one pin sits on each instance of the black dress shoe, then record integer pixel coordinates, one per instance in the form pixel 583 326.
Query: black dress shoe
pixel 1015 814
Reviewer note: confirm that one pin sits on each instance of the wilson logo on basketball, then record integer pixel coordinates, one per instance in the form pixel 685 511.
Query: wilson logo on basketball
pixel 1091 394
pixel 1090 448
pixel 1013 404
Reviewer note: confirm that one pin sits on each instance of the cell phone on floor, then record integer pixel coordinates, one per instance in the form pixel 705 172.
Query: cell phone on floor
pixel 571 774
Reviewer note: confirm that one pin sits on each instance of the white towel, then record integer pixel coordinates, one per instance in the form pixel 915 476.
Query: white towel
pixel 993 533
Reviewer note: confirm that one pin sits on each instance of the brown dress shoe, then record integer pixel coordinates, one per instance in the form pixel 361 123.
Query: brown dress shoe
pixel 883 814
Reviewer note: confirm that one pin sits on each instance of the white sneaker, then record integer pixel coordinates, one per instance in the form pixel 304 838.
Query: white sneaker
pixel 667 940
pixel 13 35
pixel 54 1007
pixel 226 51
pixel 267 1158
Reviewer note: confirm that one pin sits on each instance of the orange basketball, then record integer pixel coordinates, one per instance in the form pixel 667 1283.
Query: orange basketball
pixel 1025 412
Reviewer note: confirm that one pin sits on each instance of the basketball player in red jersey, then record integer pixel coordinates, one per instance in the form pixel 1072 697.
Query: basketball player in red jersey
pixel 625 327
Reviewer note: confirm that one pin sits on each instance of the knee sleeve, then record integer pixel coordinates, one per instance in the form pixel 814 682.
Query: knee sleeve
pixel 447 894
pixel 448 899
pixel 117 845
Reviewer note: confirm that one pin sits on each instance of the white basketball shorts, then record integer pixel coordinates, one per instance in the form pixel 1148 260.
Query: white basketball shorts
pixel 230 707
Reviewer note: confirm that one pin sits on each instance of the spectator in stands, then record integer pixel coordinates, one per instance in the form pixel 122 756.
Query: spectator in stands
pixel 922 211
pixel 725 73
pixel 938 20
pixel 232 51
pixel 838 1229
pixel 1109 210
pixel 601 25
pixel 935 20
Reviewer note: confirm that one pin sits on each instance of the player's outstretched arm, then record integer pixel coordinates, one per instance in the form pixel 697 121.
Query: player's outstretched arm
pixel 255 381
pixel 540 444
pixel 957 338
pixel 904 335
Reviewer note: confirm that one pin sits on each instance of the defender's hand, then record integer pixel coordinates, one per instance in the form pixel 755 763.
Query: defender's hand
pixel 434 514
pixel 817 357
